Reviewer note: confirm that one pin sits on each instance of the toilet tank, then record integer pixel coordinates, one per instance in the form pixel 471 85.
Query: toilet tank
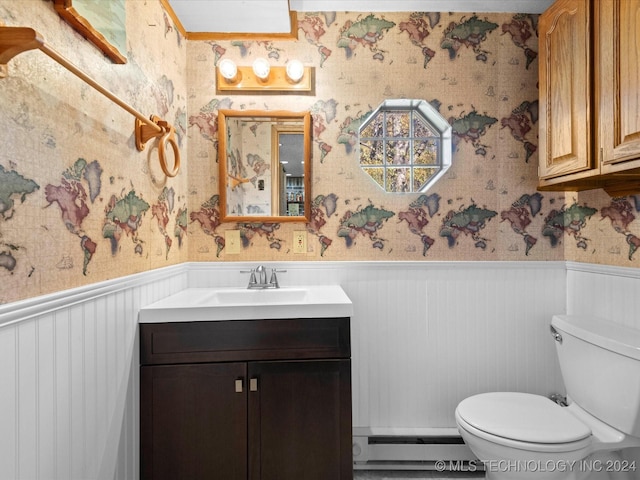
pixel 600 364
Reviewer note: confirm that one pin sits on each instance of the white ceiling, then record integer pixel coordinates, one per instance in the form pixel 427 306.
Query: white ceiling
pixel 272 16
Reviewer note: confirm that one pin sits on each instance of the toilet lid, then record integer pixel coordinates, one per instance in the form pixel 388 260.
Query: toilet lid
pixel 522 417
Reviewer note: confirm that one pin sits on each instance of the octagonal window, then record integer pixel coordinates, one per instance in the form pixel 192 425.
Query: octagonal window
pixel 405 146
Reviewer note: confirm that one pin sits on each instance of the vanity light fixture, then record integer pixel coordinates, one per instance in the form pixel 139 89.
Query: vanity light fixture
pixel 228 69
pixel 295 70
pixel 262 76
pixel 261 69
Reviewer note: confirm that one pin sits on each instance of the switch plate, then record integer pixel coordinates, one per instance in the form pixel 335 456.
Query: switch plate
pixel 232 242
pixel 300 241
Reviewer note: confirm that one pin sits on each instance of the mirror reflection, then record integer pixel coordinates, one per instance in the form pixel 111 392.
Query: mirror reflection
pixel 264 161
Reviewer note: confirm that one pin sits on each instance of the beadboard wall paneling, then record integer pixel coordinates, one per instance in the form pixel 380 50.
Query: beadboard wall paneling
pixel 604 291
pixel 607 292
pixel 425 335
pixel 69 376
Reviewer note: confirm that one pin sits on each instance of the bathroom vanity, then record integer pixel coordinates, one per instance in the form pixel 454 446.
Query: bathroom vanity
pixel 235 398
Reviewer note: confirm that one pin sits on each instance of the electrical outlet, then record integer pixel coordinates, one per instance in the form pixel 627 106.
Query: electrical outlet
pixel 232 242
pixel 300 242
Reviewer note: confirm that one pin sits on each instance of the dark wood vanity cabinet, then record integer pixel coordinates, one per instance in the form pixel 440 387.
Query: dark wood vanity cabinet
pixel 246 399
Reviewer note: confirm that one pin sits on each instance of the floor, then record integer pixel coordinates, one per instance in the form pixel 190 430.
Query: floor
pixel 411 475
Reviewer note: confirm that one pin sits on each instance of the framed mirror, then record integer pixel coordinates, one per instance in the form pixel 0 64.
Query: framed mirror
pixel 264 159
pixel 102 23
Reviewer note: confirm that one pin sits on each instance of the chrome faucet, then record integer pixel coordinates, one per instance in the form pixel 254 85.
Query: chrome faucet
pixel 262 274
pixel 258 277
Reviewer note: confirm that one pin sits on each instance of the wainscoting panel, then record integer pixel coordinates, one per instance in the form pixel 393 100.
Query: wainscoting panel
pixel 424 336
pixel 69 379
pixel 610 293
pixel 489 331
pixel 604 291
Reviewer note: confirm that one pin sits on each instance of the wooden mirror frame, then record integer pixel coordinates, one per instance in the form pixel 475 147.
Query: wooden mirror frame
pixel 277 116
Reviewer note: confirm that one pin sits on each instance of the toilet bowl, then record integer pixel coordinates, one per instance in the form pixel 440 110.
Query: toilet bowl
pixel 520 435
pixel 526 436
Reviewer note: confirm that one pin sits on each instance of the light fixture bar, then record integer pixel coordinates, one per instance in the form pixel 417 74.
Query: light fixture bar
pixel 277 81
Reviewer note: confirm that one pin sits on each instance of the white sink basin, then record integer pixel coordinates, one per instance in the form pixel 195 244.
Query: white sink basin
pixel 234 296
pixel 202 304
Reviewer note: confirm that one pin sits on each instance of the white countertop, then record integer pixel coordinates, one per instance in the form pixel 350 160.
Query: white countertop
pixel 236 303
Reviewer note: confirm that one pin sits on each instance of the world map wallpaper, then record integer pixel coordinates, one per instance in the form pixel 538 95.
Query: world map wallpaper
pixel 79 204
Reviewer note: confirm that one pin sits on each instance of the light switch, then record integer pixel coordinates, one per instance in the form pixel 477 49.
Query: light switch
pixel 232 242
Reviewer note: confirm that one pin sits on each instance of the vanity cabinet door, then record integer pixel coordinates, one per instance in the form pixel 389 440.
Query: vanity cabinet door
pixel 300 420
pixel 193 422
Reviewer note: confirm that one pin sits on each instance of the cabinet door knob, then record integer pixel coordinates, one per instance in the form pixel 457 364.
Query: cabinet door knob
pixel 239 383
pixel 253 384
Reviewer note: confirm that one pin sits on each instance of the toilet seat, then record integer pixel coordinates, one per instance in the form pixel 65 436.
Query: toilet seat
pixel 522 420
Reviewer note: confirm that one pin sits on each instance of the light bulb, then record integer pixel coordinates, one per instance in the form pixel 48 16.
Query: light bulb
pixel 295 70
pixel 228 69
pixel 261 68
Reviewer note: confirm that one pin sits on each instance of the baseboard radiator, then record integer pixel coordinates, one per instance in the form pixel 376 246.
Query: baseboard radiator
pixel 410 450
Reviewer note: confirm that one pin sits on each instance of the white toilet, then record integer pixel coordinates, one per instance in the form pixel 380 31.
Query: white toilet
pixel 527 436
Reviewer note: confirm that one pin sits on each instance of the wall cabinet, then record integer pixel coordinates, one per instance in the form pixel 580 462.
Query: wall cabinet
pixel 589 81
pixel 237 400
